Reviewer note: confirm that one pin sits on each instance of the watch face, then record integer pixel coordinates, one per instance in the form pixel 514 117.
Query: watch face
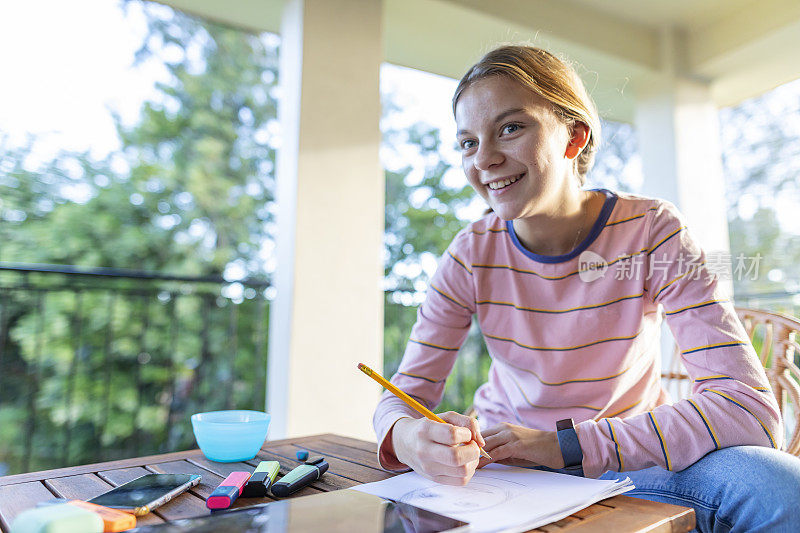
pixel 564 424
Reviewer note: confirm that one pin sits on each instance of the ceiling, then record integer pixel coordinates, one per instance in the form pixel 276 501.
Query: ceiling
pixel 621 48
pixel 689 14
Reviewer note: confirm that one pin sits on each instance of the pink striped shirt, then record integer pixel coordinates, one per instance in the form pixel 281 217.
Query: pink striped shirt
pixel 566 345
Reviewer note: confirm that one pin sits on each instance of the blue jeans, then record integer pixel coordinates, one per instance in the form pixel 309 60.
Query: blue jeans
pixel 743 488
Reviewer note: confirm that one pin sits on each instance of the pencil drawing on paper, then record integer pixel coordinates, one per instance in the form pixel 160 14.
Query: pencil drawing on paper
pixel 478 495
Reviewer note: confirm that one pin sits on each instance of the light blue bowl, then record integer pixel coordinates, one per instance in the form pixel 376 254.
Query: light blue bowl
pixel 230 436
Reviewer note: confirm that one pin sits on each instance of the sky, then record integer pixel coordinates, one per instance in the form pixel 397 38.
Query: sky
pixel 67 69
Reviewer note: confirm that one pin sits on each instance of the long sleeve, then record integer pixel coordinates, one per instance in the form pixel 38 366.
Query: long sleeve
pixel 731 402
pixel 443 322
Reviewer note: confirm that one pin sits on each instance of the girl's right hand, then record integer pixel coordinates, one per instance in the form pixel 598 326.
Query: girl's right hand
pixel 446 453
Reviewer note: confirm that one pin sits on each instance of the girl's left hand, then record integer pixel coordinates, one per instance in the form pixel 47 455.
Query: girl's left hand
pixel 520 446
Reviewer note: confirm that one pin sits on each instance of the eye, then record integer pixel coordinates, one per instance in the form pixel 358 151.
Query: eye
pixel 466 144
pixel 511 128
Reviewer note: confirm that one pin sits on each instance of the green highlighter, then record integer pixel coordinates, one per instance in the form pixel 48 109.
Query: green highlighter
pixel 261 479
pixel 301 476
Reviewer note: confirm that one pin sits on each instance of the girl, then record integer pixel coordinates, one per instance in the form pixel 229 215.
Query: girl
pixel 569 342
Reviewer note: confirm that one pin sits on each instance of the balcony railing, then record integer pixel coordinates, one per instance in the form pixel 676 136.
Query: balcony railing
pixel 100 364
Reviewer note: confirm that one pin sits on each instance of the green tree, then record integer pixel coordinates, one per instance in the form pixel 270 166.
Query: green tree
pixel 761 165
pixel 104 373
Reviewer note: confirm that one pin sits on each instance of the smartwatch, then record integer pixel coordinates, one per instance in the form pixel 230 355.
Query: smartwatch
pixel 570 447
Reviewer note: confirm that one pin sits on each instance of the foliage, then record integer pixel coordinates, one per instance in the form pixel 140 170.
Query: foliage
pixel 94 370
pixel 761 165
pixel 420 221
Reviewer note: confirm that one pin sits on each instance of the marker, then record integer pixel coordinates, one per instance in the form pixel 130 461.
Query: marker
pixel 301 476
pixel 261 479
pixel 227 491
pixel 113 519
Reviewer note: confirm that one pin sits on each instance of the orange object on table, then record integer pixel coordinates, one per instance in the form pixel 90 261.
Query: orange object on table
pixel 113 519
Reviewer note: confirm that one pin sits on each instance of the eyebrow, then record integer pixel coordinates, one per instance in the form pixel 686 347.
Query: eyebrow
pixel 499 117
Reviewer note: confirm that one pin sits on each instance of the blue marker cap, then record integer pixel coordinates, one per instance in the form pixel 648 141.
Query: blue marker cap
pixel 302 455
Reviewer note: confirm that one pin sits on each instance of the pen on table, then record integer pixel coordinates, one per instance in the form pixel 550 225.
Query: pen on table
pixel 414 404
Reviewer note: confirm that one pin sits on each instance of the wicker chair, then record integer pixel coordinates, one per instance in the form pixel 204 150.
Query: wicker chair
pixel 780 345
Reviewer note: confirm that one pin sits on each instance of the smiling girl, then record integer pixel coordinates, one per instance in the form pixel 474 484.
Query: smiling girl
pixel 575 353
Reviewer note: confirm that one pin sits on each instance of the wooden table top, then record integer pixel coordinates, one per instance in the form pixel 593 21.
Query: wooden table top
pixel 352 462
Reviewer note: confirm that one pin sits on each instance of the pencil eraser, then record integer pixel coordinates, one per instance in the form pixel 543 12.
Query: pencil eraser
pixel 61 518
pixel 227 491
pixel 113 519
pixel 261 479
pixel 302 455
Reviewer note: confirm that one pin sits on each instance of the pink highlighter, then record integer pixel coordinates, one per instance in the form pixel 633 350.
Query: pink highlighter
pixel 227 491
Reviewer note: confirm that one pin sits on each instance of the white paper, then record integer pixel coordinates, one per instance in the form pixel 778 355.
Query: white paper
pixel 501 498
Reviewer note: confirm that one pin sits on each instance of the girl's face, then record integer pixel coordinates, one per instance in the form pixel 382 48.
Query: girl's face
pixel 513 148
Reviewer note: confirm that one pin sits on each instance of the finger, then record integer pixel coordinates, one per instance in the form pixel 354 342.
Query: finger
pixel 448 433
pixel 470 423
pixel 459 481
pixel 456 455
pixel 513 461
pixel 476 433
pixel 452 471
pixel 484 461
pixel 496 440
pixel 502 453
pixel 494 430
pixel 457 419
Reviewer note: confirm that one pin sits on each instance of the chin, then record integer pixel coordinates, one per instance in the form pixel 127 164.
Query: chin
pixel 505 214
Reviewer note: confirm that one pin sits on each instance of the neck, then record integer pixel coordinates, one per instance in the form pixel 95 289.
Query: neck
pixel 558 228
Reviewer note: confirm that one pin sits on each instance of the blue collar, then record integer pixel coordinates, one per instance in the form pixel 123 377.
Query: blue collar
pixel 599 224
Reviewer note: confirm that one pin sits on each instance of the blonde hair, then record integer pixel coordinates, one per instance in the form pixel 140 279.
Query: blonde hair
pixel 549 77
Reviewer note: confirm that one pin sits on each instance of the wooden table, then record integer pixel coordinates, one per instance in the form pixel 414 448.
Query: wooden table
pixel 351 462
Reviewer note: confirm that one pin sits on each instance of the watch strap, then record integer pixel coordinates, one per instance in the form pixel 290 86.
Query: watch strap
pixel 570 446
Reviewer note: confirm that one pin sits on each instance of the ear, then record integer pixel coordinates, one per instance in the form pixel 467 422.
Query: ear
pixel 578 139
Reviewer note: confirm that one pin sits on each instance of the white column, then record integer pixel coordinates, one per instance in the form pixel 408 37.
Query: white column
pixel 328 312
pixel 679 142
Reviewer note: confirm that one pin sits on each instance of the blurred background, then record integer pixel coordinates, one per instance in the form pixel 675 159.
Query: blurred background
pixel 138 156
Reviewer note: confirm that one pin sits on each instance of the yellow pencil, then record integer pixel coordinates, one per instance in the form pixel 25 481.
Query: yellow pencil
pixel 421 409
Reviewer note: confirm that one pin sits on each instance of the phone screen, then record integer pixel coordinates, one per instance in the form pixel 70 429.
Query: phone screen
pixel 143 491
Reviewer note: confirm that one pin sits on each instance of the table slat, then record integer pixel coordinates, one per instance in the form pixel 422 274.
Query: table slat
pixel 121 476
pixel 367 446
pixel 95 467
pixel 16 498
pixel 80 487
pixel 345 453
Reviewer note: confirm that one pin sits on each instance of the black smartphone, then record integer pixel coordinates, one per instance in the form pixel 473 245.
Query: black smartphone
pixel 145 493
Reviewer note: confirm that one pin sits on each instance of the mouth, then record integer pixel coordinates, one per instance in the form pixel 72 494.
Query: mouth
pixel 501 184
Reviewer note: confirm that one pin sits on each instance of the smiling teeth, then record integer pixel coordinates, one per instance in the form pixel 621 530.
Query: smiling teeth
pixel 501 184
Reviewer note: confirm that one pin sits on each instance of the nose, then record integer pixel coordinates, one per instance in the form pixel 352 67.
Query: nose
pixel 487 156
